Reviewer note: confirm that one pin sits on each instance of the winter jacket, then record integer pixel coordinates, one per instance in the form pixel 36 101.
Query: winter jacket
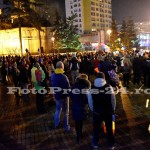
pixel 74 64
pixel 38 76
pixel 79 100
pixel 24 75
pixel 33 77
pixel 137 66
pixel 104 100
pixel 15 72
pixel 85 66
pixel 60 80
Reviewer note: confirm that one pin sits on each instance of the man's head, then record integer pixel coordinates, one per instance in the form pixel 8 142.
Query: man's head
pixel 60 65
pixel 36 64
pixel 100 75
pixel 83 76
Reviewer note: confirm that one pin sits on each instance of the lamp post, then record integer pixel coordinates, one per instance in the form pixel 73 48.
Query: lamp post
pixel 109 32
pixel 19 24
pixel 53 39
pixel 119 40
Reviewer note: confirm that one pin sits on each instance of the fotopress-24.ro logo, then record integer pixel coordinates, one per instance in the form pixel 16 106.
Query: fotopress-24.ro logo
pixel 50 90
pixel 54 90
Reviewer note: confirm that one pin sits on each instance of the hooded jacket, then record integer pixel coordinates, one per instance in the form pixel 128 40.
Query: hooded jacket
pixel 79 99
pixel 101 97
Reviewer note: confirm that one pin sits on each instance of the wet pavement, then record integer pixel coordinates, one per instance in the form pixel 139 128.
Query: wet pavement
pixel 22 128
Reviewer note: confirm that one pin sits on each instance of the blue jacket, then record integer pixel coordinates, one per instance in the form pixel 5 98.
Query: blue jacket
pixel 79 100
pixel 59 80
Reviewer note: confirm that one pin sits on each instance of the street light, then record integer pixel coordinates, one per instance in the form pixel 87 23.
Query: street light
pixel 109 32
pixel 53 39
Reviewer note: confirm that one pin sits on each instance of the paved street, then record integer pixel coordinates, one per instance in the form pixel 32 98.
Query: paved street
pixel 22 128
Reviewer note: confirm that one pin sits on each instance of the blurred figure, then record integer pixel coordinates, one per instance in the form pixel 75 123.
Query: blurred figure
pixel 137 70
pixel 24 80
pixel 96 62
pixel 60 80
pixel 37 76
pixel 103 108
pixel 66 65
pixel 79 102
pixel 4 72
pixel 74 67
pixel 85 66
pixel 15 72
pixel 126 70
pixel 50 69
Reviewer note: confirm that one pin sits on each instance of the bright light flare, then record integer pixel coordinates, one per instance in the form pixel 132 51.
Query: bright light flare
pixel 109 31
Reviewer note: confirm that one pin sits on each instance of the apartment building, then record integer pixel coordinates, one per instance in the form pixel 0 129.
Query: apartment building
pixel 143 33
pixel 92 15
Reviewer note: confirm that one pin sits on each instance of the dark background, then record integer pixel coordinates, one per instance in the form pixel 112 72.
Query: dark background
pixel 139 10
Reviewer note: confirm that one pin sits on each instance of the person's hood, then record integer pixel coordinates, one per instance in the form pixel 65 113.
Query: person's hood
pixel 85 83
pixel 99 82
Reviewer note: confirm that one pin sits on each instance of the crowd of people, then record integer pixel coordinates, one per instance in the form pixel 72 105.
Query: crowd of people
pixel 70 75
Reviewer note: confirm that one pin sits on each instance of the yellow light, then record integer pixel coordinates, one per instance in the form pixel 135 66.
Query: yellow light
pixel 53 39
pixel 109 31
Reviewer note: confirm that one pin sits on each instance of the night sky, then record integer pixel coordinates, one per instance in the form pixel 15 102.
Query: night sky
pixel 139 10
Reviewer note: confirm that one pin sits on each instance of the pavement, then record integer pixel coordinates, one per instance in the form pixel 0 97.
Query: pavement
pixel 22 128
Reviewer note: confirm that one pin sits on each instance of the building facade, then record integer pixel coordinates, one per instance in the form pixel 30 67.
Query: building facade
pixel 143 34
pixel 92 15
pixel 10 44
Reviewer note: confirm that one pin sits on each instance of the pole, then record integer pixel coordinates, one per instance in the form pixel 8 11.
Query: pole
pixel 53 39
pixel 20 39
pixel 20 34
pixel 53 47
pixel 40 41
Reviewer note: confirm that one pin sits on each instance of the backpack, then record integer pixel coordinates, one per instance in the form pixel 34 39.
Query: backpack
pixel 113 76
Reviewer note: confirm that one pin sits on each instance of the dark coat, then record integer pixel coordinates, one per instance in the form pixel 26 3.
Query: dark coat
pixel 15 76
pixel 79 100
pixel 137 66
pixel 24 75
pixel 85 66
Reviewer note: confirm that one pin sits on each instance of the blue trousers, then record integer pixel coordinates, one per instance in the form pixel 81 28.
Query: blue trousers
pixel 62 105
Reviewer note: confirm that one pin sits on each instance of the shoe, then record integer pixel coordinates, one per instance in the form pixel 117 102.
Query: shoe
pixel 95 146
pixel 68 131
pixel 57 127
pixel 112 147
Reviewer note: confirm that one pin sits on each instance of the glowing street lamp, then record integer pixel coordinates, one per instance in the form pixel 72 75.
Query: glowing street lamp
pixel 53 39
pixel 109 32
